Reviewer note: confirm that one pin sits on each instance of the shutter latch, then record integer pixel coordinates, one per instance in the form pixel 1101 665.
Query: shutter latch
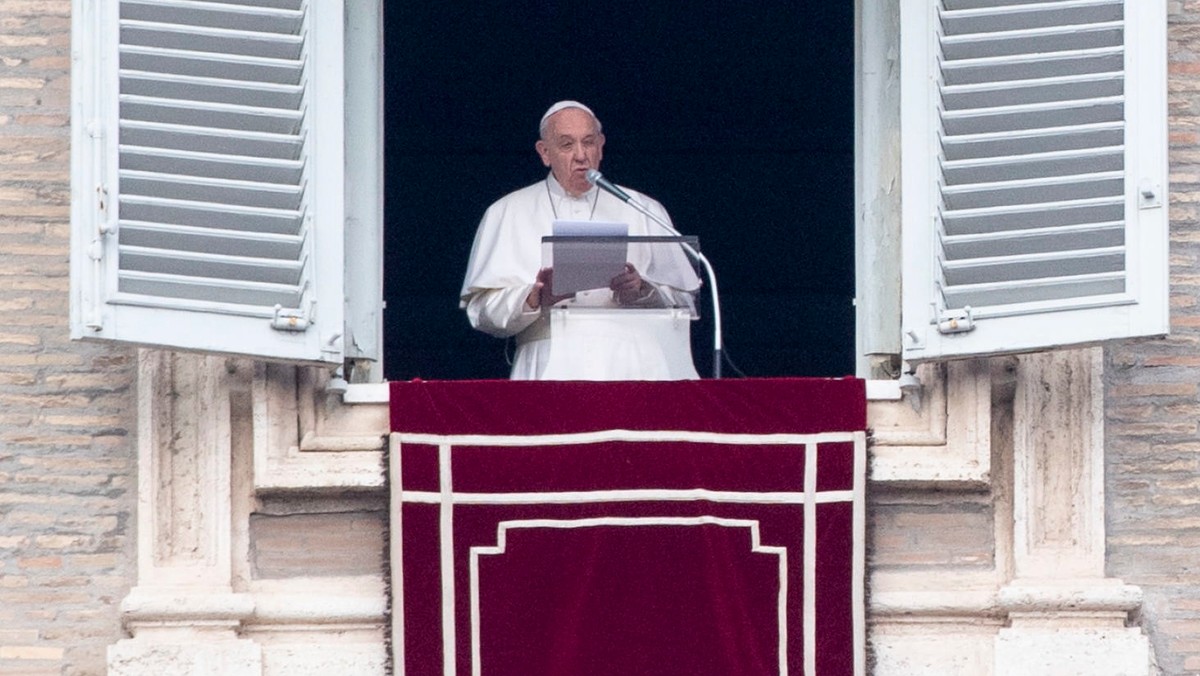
pixel 1149 195
pixel 956 321
pixel 289 319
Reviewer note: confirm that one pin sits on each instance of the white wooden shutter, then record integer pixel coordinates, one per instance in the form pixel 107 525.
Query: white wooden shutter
pixel 208 175
pixel 1034 173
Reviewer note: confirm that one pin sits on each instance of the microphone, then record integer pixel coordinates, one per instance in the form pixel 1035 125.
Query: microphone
pixel 596 178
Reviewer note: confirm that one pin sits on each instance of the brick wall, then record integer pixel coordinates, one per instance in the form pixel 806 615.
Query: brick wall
pixel 1153 402
pixel 67 456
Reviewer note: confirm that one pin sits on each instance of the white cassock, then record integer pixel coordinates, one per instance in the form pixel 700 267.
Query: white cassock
pixel 507 255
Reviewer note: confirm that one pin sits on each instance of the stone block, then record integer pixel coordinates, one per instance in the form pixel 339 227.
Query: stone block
pixel 231 657
pixel 1039 651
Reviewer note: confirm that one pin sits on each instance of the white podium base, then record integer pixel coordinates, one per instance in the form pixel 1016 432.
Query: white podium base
pixel 620 344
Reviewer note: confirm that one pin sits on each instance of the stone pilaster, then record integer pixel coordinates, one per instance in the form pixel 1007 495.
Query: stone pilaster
pixel 1064 615
pixel 183 615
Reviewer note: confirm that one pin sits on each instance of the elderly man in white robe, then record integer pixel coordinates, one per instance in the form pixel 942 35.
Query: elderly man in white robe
pixel 506 292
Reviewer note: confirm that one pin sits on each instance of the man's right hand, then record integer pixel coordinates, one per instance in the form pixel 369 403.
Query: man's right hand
pixel 539 295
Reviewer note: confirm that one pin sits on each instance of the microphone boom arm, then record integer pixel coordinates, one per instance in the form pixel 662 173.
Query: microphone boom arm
pixel 597 179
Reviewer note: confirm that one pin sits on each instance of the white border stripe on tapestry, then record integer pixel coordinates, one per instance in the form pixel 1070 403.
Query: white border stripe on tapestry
pixel 631 495
pixel 503 527
pixel 809 596
pixel 395 544
pixel 859 562
pixel 623 435
pixel 446 528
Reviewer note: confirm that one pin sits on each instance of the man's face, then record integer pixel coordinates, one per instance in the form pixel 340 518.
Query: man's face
pixel 571 147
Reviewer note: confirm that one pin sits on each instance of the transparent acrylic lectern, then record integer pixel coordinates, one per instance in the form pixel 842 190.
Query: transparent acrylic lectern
pixel 594 335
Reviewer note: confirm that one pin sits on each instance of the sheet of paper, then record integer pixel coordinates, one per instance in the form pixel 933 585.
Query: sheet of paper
pixel 588 263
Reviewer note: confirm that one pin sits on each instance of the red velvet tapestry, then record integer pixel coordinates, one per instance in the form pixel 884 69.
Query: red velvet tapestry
pixel 697 528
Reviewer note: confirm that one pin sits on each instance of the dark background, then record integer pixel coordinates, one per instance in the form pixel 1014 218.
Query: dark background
pixel 738 117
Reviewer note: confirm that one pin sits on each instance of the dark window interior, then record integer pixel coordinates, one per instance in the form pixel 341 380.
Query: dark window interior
pixel 737 117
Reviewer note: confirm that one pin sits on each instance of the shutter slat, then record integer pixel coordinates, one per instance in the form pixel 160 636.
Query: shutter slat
pixel 294 5
pixel 186 88
pixel 1033 41
pixel 1022 92
pixel 1033 241
pixel 1033 191
pixel 955 5
pixel 200 139
pixel 234 268
pixel 210 240
pixel 251 17
pixel 1033 15
pixel 1025 267
pixel 988 296
pixel 204 64
pixel 215 191
pixel 210 165
pixel 1034 116
pixel 250 294
pixel 991 144
pixel 208 215
pixel 1022 216
pixel 1034 67
pixel 212 115
pixel 189 38
pixel 1040 165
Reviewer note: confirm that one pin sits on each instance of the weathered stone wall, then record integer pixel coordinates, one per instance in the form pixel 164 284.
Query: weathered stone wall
pixel 67 455
pixel 1153 401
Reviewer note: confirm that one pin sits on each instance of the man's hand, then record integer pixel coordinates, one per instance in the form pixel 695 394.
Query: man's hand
pixel 539 295
pixel 629 287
